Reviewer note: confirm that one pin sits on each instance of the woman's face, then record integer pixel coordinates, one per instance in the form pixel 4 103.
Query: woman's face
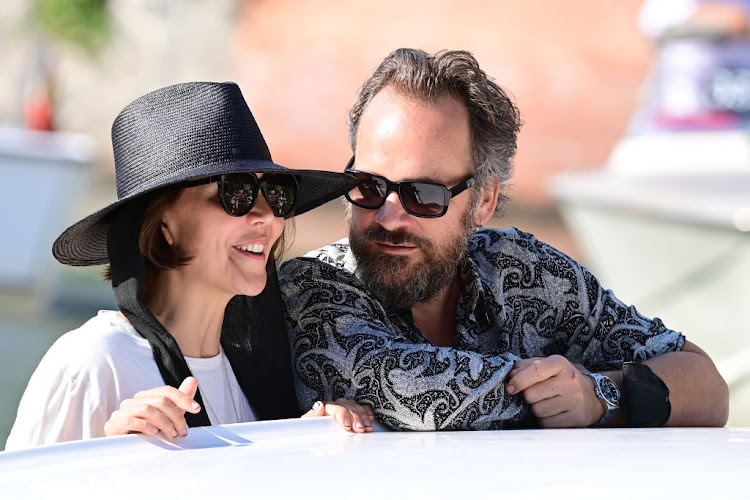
pixel 229 254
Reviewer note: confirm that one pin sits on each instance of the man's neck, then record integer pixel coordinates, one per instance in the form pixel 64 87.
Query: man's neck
pixel 436 319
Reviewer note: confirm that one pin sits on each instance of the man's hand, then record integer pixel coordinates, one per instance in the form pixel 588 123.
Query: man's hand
pixel 558 392
pixel 349 414
pixel 160 409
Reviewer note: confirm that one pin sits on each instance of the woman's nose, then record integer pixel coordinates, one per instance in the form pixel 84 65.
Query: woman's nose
pixel 261 211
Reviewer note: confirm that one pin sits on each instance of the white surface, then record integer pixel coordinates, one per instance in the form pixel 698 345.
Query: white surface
pixel 312 458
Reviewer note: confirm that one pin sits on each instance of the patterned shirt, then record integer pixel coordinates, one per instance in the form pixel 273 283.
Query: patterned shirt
pixel 520 298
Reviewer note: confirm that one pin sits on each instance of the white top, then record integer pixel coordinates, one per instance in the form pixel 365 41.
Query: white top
pixel 89 371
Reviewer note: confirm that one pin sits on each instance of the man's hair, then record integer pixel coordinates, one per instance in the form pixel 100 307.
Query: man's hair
pixel 494 120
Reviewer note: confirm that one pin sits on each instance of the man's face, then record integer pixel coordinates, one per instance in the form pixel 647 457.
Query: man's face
pixel 403 258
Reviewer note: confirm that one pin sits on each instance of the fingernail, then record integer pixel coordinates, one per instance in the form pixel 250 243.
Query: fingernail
pixel 347 423
pixel 155 430
pixel 511 389
pixel 184 432
pixel 317 405
pixel 358 426
pixel 174 433
pixel 368 425
pixel 195 406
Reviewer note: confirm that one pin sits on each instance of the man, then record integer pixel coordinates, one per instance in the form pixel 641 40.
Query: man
pixel 438 324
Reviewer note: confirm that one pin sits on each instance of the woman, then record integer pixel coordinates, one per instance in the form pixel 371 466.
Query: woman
pixel 191 239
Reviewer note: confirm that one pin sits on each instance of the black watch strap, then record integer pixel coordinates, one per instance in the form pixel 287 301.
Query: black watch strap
pixel 645 395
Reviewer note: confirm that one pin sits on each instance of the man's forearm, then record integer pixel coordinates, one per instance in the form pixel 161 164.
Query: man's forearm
pixel 697 392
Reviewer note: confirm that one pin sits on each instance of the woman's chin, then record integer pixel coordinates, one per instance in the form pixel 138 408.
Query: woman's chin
pixel 253 289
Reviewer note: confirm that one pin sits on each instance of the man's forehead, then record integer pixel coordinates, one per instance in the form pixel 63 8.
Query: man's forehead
pixel 403 138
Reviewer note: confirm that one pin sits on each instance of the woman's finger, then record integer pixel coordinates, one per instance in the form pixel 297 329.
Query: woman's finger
pixel 350 415
pixel 317 410
pixel 178 398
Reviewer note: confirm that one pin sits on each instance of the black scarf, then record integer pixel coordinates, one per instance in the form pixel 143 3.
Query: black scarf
pixel 253 334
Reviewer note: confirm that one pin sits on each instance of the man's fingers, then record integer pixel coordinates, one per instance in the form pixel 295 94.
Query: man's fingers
pixel 560 420
pixel 547 408
pixel 532 371
pixel 521 364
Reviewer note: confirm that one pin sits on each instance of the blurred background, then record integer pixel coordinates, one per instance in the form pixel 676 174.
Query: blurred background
pixel 634 157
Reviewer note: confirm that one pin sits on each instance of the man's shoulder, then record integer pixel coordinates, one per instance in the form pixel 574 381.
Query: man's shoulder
pixel 508 240
pixel 334 258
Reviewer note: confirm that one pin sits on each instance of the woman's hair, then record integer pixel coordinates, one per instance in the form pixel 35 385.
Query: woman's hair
pixel 158 253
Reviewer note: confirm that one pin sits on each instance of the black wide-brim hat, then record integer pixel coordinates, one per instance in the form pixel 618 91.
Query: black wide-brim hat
pixel 181 133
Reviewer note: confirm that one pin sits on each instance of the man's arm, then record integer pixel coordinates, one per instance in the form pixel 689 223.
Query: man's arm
pixel 344 345
pixel 561 396
pixel 697 392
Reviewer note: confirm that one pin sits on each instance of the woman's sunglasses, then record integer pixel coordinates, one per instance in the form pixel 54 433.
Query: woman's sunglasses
pixel 421 199
pixel 239 192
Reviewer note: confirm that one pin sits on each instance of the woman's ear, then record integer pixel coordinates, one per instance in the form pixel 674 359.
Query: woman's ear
pixel 166 232
pixel 487 204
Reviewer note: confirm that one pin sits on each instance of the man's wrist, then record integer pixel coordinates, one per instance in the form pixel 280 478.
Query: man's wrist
pixel 646 399
pixel 608 394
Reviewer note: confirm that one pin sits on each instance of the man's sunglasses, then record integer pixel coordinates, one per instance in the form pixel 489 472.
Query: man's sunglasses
pixel 421 199
pixel 239 192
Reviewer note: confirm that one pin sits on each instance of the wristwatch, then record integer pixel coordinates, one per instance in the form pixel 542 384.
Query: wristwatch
pixel 608 393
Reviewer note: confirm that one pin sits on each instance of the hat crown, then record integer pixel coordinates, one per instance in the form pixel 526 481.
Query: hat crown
pixel 172 132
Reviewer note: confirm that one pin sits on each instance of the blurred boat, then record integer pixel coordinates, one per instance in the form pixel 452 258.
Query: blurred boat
pixel 313 458
pixel 666 225
pixel 43 174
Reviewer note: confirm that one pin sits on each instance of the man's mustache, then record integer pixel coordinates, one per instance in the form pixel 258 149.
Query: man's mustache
pixel 398 237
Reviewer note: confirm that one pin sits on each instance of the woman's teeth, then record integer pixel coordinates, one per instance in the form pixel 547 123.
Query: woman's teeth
pixel 256 249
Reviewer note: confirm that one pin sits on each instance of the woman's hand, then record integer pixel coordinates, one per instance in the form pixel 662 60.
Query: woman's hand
pixel 160 409
pixel 349 414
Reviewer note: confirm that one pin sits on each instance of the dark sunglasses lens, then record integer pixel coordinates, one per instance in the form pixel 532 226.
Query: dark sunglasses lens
pixel 238 193
pixel 422 198
pixel 281 193
pixel 369 193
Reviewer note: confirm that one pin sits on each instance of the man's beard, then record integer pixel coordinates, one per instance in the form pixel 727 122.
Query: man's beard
pixel 397 281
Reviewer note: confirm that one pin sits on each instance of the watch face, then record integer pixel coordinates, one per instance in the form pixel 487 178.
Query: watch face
pixel 609 390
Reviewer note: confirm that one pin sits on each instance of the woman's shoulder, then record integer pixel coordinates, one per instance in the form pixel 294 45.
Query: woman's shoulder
pixel 97 341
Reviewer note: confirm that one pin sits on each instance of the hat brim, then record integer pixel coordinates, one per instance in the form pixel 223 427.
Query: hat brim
pixel 85 242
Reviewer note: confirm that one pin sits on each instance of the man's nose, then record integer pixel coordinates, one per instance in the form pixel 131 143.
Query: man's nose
pixel 392 214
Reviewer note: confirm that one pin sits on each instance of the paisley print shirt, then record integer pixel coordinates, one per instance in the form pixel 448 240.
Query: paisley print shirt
pixel 520 298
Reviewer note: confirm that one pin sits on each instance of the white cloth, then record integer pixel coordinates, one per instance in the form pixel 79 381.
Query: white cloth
pixel 225 402
pixel 89 371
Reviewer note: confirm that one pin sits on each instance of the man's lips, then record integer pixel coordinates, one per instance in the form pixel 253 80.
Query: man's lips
pixel 397 248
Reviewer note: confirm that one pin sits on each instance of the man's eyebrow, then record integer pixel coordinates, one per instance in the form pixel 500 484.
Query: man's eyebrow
pixel 433 180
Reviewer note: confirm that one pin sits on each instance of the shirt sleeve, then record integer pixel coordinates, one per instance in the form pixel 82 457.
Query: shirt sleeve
pixel 344 345
pixel 64 400
pixel 589 324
